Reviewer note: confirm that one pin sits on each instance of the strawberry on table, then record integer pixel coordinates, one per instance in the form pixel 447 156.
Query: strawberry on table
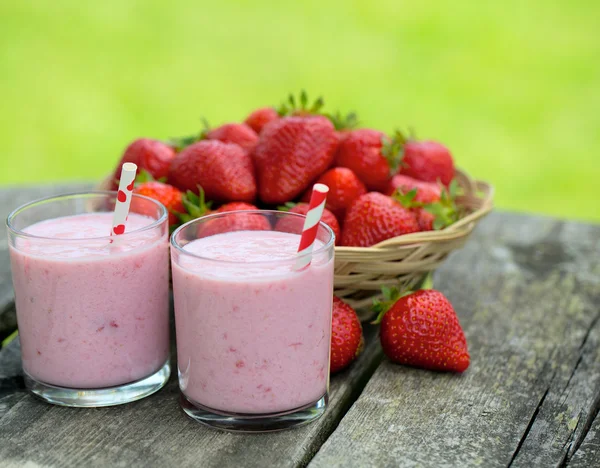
pixel 152 155
pixel 427 160
pixel 164 193
pixel 261 117
pixel 373 218
pixel 238 133
pixel 290 154
pixel 344 188
pixel 372 155
pixel 328 217
pixel 422 330
pixel 346 336
pixel 224 170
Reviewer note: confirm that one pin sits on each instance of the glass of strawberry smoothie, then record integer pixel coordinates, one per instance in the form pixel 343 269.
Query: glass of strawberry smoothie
pixel 253 332
pixel 92 310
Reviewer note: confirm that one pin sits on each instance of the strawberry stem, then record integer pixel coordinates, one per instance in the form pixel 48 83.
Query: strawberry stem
pixel 392 150
pixel 196 206
pixel 300 107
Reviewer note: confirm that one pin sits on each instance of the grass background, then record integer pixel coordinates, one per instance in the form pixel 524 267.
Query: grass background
pixel 512 87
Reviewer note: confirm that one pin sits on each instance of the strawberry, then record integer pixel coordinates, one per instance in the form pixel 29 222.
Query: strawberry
pixel 152 155
pixel 328 217
pixel 422 330
pixel 427 160
pixel 237 222
pixel 290 154
pixel 238 133
pixel 346 336
pixel 224 170
pixel 164 193
pixel 344 188
pixel 427 192
pixel 373 218
pixel 372 156
pixel 433 210
pixel 425 219
pixel 261 117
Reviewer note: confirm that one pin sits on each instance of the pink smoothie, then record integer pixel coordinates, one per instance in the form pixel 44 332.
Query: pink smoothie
pixel 92 313
pixel 252 338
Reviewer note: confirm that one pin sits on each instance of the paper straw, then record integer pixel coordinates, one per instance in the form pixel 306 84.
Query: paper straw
pixel 124 196
pixel 311 225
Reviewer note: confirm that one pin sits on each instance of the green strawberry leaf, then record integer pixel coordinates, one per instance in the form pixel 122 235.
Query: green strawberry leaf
pixel 445 211
pixel 343 122
pixel 287 206
pixel 300 106
pixel 392 150
pixel 180 143
pixel 195 205
pixel 407 200
pixel 390 296
pixel 143 176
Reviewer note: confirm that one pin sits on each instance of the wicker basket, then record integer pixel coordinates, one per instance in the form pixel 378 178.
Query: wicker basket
pixel 405 261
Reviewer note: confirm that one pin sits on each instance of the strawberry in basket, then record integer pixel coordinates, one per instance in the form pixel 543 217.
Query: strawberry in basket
pixel 427 160
pixel 150 155
pixel 224 170
pixel 344 188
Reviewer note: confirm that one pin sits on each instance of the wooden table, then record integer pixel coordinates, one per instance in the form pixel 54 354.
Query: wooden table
pixel 527 291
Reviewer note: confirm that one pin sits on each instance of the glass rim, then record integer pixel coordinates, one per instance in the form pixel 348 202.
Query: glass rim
pixel 326 246
pixel 106 193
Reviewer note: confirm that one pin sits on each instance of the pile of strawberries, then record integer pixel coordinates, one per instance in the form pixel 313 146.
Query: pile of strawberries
pixel 381 186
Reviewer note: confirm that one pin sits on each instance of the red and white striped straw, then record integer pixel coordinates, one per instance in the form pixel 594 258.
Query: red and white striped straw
pixel 124 196
pixel 311 225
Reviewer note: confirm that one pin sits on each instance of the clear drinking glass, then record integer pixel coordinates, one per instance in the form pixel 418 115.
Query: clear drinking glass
pixel 92 310
pixel 253 332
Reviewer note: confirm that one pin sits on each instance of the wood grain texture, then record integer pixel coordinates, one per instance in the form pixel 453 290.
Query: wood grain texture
pixel 527 292
pixel 155 432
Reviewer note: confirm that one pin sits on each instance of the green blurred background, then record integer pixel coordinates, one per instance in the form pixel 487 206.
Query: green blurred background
pixel 512 87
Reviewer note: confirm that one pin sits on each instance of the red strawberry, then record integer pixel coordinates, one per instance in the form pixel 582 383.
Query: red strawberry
pixel 290 154
pixel 238 133
pixel 427 160
pixel 425 219
pixel 375 217
pixel 344 188
pixel 427 192
pixel 372 156
pixel 422 330
pixel 261 117
pixel 164 193
pixel 236 222
pixel 224 171
pixel 235 206
pixel 346 336
pixel 152 155
pixel 328 218
pixel 433 209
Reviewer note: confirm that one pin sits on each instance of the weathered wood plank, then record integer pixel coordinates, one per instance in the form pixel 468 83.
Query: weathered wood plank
pixel 11 198
pixel 588 454
pixel 155 432
pixel 527 292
